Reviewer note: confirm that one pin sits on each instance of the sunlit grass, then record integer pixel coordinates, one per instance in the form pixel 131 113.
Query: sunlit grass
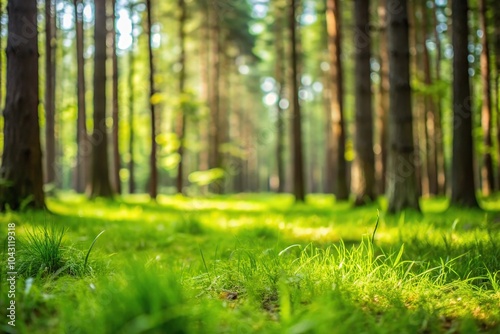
pixel 260 263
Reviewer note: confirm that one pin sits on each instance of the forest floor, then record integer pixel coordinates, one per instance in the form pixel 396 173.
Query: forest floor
pixel 252 264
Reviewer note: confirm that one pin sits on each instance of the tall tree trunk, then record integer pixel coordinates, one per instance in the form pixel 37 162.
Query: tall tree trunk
pixel 418 100
pixel 215 158
pixel 430 117
pixel 338 162
pixel 82 140
pixel 402 189
pixel 115 171
pixel 463 190
pixel 182 117
pixel 383 107
pixel 365 158
pixel 204 70
pixel 131 101
pixel 1 56
pixel 22 184
pixel 440 158
pixel 50 91
pixel 100 185
pixel 487 175
pixel 279 70
pixel 298 161
pixel 496 44
pixel 153 178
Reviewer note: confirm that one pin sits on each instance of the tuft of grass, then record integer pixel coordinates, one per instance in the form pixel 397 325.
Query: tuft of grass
pixel 41 251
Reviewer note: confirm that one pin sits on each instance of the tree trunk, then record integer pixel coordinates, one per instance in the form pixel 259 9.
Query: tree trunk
pixel 402 189
pixel 215 158
pixel 487 175
pixel 430 117
pixel 1 56
pixel 279 68
pixel 338 135
pixel 99 180
pixel 496 43
pixel 440 158
pixel 131 101
pixel 298 162
pixel 463 190
pixel 365 158
pixel 153 178
pixel 82 140
pixel 115 171
pixel 383 107
pixel 182 117
pixel 22 179
pixel 50 92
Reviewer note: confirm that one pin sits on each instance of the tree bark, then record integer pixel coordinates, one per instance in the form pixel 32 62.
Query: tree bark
pixel 365 158
pixel 279 70
pixel 21 172
pixel 402 189
pixel 82 140
pixel 298 161
pixel 487 174
pixel 153 178
pixel 496 44
pixel 115 171
pixel 131 101
pixel 383 107
pixel 1 56
pixel 430 117
pixel 100 185
pixel 50 92
pixel 182 117
pixel 215 140
pixel 440 158
pixel 336 98
pixel 463 190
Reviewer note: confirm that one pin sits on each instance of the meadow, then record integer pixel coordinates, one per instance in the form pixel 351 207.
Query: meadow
pixel 252 264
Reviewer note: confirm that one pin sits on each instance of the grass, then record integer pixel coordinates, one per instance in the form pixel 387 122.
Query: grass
pixel 255 263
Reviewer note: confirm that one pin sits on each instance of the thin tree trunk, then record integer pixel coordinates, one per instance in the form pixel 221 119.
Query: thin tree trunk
pixel 82 140
pixel 213 93
pixel 50 92
pixel 279 69
pixel 182 117
pixel 115 171
pixel 131 102
pixel 100 185
pixel 418 102
pixel 496 18
pixel 1 56
pixel 153 178
pixel 383 107
pixel 298 161
pixel 365 158
pixel 440 158
pixel 430 109
pixel 463 190
pixel 487 175
pixel 336 98
pixel 402 189
pixel 22 184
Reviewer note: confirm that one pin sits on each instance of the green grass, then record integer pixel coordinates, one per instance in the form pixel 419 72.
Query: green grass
pixel 252 264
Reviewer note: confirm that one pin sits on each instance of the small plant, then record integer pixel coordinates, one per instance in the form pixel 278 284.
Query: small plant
pixel 41 251
pixel 90 249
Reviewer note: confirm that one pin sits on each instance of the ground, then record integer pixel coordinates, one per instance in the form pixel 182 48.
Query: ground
pixel 253 263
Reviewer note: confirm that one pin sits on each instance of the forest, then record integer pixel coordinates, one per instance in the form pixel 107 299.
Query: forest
pixel 241 166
